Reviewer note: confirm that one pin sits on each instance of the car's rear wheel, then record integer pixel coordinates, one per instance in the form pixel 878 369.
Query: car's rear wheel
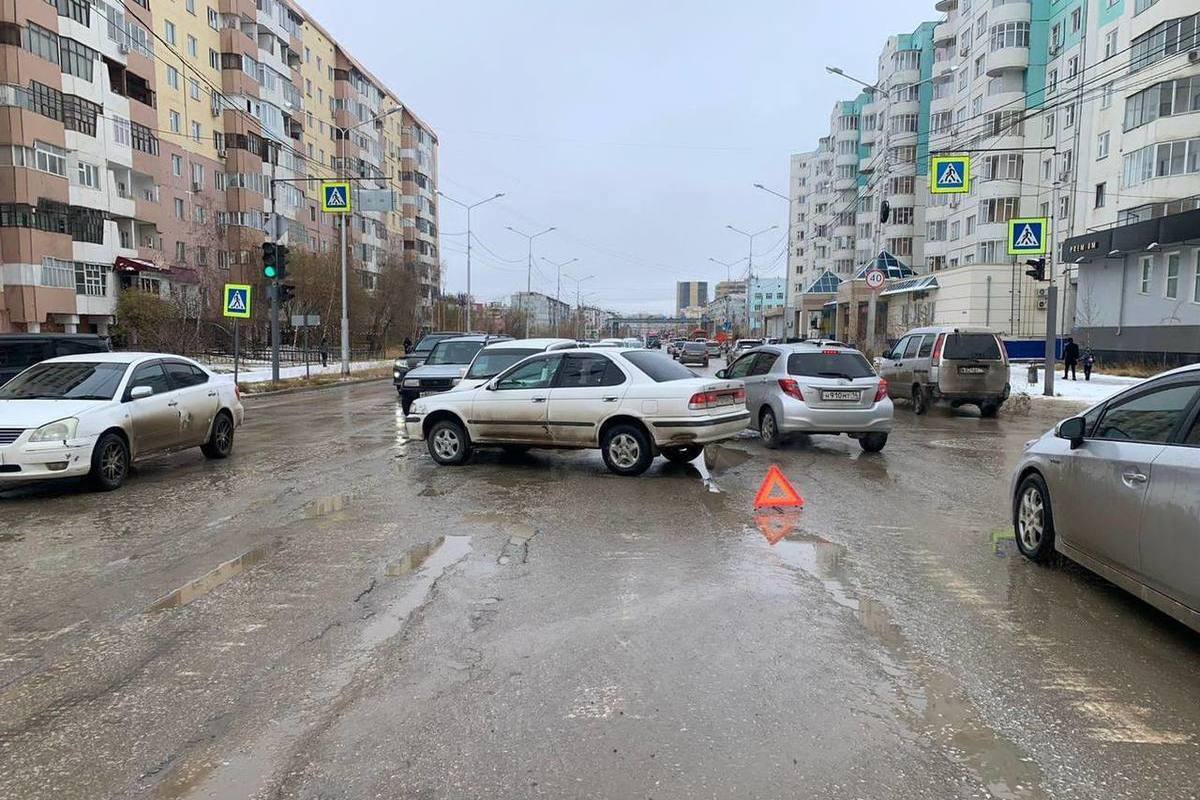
pixel 683 453
pixel 220 440
pixel 626 450
pixel 989 409
pixel 920 400
pixel 872 442
pixel 448 443
pixel 1033 519
pixel 768 429
pixel 110 462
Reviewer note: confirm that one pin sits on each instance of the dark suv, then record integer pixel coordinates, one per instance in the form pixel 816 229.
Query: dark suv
pixel 417 356
pixel 21 350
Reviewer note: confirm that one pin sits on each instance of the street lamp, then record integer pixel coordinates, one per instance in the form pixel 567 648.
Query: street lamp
pixel 727 265
pixel 750 237
pixel 788 313
pixel 345 245
pixel 558 291
pixel 873 87
pixel 496 196
pixel 528 269
pixel 578 305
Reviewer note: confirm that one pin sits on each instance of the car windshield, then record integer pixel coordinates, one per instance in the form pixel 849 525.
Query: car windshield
pixel 971 345
pixel 453 353
pixel 71 380
pixel 490 363
pixel 836 364
pixel 658 366
pixel 427 343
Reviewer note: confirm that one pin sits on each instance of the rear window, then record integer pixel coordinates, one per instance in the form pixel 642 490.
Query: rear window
pixel 453 353
pixel 695 347
pixel 830 365
pixel 658 366
pixel 971 345
pixel 490 363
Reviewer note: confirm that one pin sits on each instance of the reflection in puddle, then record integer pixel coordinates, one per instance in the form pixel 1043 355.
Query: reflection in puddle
pixel 413 559
pixel 211 580
pixel 327 505
pixel 718 457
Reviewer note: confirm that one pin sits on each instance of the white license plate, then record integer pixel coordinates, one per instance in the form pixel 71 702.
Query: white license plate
pixel 724 399
pixel 972 370
pixel 840 395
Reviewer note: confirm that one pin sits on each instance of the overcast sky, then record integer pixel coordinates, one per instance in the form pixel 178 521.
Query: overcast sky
pixel 635 128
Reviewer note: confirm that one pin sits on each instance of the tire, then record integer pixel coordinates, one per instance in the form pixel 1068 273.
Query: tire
pixel 448 443
pixel 989 409
pixel 682 454
pixel 920 400
pixel 406 401
pixel 110 463
pixel 1033 519
pixel 626 450
pixel 220 439
pixel 768 429
pixel 872 442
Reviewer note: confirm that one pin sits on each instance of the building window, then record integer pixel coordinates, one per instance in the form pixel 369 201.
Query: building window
pixel 1147 273
pixel 1076 19
pixel 1049 125
pixel 191 7
pixel 194 88
pixel 1171 287
pixel 91 279
pixel 172 77
pixel 970 226
pixel 78 59
pixel 88 175
pixel 1100 187
pixel 998 209
pixel 174 121
pixel 991 251
pixel 181 252
pixel 214 59
pixel 169 32
pixel 1072 66
pixel 1010 34
pixel 176 165
pixel 197 132
pixel 1106 95
pixel 1069 113
pixel 178 208
pixel 1110 44
pixel 1064 206
pixel 48 158
pixel 1051 82
pixel 1166 99
pixel 42 42
pixel 57 273
pixel 1102 146
pixel 1196 278
pixel 192 49
pixel 1164 40
pixel 979 61
pixel 197 174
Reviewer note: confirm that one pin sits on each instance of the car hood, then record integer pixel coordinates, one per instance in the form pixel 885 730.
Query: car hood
pixel 472 383
pixel 437 371
pixel 35 413
pixel 414 359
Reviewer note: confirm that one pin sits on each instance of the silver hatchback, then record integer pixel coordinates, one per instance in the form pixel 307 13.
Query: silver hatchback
pixel 813 388
pixel 1117 489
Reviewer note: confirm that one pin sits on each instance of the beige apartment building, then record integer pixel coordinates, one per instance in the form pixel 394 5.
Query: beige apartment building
pixel 138 141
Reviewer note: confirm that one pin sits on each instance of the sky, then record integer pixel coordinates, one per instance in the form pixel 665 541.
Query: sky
pixel 636 129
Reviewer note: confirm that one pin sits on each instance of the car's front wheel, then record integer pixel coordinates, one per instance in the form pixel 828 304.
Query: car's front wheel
pixel 1033 519
pixel 110 462
pixel 683 453
pixel 220 441
pixel 448 443
pixel 872 442
pixel 626 450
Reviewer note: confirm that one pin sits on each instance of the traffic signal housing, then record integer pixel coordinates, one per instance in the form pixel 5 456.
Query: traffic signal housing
pixel 286 292
pixel 275 261
pixel 1037 269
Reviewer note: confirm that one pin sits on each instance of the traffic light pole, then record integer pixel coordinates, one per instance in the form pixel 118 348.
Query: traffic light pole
pixel 1051 325
pixel 274 281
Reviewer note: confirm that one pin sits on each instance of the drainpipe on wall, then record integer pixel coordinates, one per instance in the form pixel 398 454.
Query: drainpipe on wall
pixel 1121 305
pixel 987 304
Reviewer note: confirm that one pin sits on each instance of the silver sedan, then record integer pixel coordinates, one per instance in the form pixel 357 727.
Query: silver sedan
pixel 1116 490
pixel 813 388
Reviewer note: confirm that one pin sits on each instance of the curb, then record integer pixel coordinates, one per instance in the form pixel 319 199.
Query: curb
pixel 300 389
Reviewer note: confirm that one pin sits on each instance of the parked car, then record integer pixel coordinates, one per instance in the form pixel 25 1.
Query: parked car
pixel 21 350
pixel 674 346
pixel 93 415
pixel 631 404
pixel 959 365
pixel 742 345
pixel 418 355
pixel 1117 489
pixel 442 368
pixel 694 353
pixel 653 343
pixel 499 356
pixel 714 348
pixel 803 388
pixel 632 342
pixel 610 343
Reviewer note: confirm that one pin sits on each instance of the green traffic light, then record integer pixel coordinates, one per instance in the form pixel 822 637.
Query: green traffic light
pixel 270 271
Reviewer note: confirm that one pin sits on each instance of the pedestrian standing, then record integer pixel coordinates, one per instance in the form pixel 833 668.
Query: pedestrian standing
pixel 1070 359
pixel 1088 361
pixel 407 345
pixel 324 351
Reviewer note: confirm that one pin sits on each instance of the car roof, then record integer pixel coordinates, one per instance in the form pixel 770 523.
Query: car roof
pixel 532 344
pixel 805 347
pixel 950 329
pixel 114 358
pixel 476 337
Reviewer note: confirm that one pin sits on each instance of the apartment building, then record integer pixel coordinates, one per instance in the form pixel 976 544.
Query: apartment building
pixel 138 143
pixel 690 294
pixel 544 312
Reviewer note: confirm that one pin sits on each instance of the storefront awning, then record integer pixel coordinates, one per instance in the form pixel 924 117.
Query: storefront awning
pixel 132 266
pixel 919 284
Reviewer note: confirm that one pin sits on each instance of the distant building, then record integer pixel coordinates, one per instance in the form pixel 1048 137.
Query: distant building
pixel 730 287
pixel 690 293
pixel 544 311
pixel 727 313
pixel 765 293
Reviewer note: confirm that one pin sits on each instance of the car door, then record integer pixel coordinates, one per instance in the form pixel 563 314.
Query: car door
pixel 154 419
pixel 891 366
pixel 739 370
pixel 920 363
pixel 1099 500
pixel 758 381
pixel 512 408
pixel 589 388
pixel 197 400
pixel 1170 534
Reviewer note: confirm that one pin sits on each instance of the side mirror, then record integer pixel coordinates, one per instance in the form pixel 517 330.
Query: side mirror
pixel 1071 429
pixel 490 386
pixel 138 392
pixel 721 373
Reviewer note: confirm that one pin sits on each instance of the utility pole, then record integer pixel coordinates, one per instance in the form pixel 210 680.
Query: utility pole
pixel 750 237
pixel 274 290
pixel 468 207
pixel 789 316
pixel 528 270
pixel 558 292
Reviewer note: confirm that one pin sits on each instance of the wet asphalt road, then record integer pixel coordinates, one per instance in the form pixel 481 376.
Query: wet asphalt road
pixel 329 614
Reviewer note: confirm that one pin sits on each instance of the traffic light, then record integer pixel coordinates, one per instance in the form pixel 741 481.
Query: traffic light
pixel 885 210
pixel 281 261
pixel 286 292
pixel 1037 269
pixel 270 257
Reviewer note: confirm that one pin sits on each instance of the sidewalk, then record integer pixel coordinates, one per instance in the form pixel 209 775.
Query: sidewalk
pixel 258 373
pixel 1100 387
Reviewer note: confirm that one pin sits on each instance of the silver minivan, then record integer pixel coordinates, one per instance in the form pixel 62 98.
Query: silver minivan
pixel 1117 489
pixel 956 364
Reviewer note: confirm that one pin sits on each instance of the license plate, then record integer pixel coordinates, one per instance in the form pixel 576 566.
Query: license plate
pixel 724 399
pixel 840 395
pixel 972 370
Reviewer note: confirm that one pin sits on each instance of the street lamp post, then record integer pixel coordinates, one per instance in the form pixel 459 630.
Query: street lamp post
pixel 529 269
pixel 750 237
pixel 468 207
pixel 558 290
pixel 578 305
pixel 788 313
pixel 727 265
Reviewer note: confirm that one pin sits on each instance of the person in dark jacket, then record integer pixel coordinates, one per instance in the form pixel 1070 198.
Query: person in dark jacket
pixel 407 345
pixel 1088 360
pixel 1070 359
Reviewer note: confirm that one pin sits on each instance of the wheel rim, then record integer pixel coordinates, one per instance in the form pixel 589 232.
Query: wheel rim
pixel 112 462
pixel 223 436
pixel 1031 518
pixel 767 430
pixel 624 450
pixel 446 443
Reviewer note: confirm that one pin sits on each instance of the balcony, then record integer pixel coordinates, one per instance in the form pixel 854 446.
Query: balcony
pixel 1006 59
pixel 1009 12
pixel 943 69
pixel 846 159
pixel 943 34
pixel 945 5
pixel 844 184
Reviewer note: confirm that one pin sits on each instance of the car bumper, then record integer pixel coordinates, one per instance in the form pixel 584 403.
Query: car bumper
pixel 412 427
pixel 805 419
pixel 700 430
pixel 25 461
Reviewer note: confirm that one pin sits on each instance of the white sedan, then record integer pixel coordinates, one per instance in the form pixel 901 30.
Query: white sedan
pixel 631 404
pixel 93 415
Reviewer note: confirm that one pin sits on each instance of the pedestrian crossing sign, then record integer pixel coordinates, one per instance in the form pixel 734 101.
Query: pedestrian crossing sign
pixel 237 300
pixel 1027 236
pixel 950 174
pixel 335 197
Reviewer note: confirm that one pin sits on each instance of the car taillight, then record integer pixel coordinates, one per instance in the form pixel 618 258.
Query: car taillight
pixel 704 400
pixel 881 392
pixel 792 389
pixel 937 349
pixel 739 395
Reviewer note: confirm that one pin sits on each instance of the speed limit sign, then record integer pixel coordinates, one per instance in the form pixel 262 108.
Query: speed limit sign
pixel 875 279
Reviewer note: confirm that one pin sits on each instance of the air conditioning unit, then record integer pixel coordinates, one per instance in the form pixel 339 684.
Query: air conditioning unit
pixel 1194 57
pixel 954 203
pixel 123 48
pixel 1056 48
pixel 195 186
pixel 1041 305
pixel 1064 175
pixel 1041 292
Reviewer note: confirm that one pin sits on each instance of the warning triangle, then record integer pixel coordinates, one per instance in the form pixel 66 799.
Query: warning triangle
pixel 776 492
pixel 950 176
pixel 335 198
pixel 237 301
pixel 1027 238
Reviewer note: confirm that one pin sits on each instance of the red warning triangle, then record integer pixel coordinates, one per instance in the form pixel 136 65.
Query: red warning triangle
pixel 775 527
pixel 776 492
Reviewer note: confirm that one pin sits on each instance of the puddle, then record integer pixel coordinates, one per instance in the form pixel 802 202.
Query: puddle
pixel 413 559
pixel 705 476
pixel 390 621
pixel 719 457
pixel 327 505
pixel 211 580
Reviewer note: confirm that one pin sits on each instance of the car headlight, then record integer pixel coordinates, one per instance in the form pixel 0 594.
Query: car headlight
pixel 417 408
pixel 412 382
pixel 58 431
